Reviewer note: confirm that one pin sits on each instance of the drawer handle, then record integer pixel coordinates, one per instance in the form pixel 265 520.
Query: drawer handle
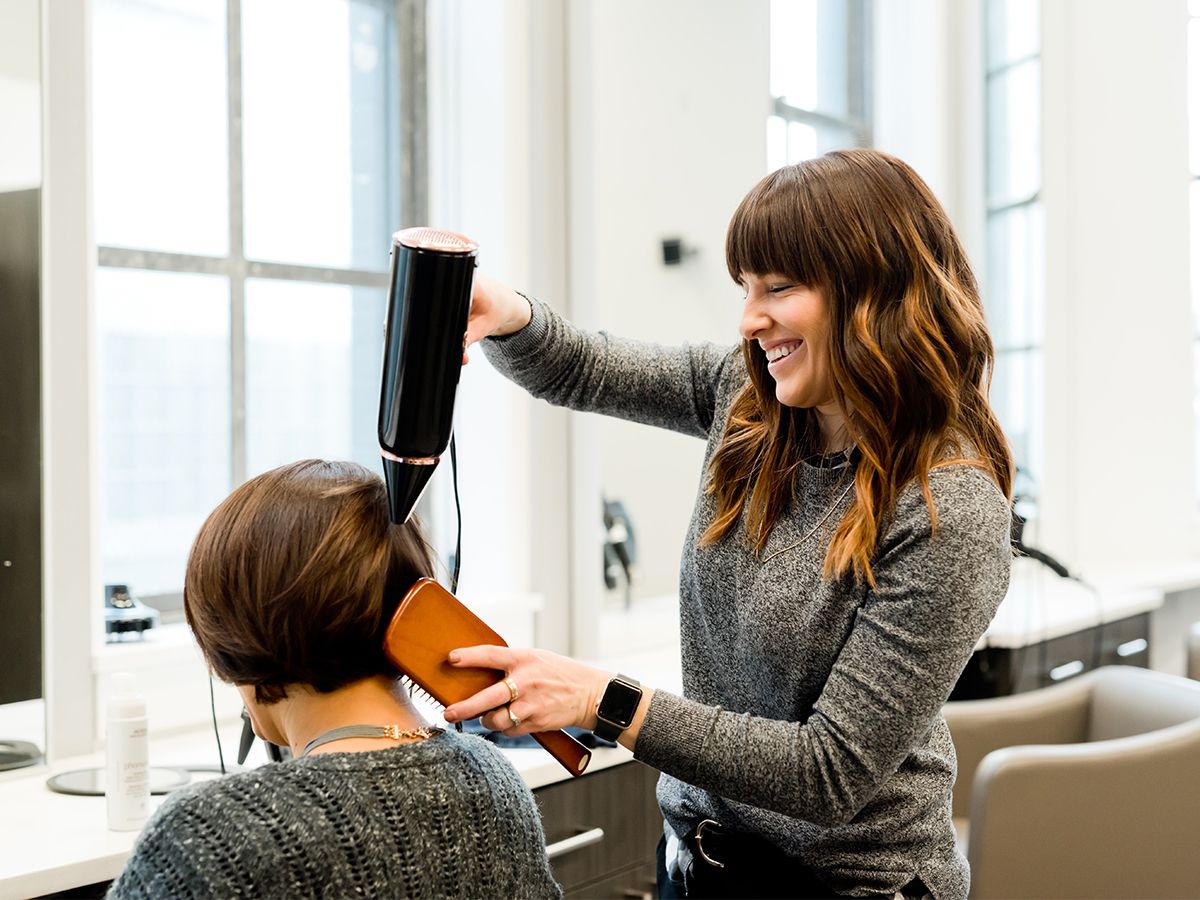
pixel 576 842
pixel 1129 648
pixel 1066 670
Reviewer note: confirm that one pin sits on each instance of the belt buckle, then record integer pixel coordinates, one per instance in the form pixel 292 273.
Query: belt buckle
pixel 700 843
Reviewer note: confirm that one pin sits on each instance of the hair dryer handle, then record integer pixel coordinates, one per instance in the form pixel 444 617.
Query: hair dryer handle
pixel 573 756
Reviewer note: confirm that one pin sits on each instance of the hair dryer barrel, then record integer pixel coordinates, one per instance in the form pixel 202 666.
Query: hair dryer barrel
pixel 429 300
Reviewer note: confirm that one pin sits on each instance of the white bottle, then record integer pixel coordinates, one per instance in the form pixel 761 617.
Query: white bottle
pixel 127 784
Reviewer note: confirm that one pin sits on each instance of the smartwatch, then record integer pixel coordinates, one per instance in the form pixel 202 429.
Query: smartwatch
pixel 617 706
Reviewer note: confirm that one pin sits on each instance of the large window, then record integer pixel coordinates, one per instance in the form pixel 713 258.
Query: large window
pixel 820 72
pixel 1013 286
pixel 248 156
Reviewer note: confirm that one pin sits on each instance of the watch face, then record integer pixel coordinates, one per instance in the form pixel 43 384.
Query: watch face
pixel 619 703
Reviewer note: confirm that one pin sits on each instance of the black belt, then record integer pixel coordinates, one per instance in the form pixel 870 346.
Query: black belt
pixel 718 848
pixel 724 863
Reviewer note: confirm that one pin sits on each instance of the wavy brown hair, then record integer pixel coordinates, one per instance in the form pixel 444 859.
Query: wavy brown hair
pixel 294 578
pixel 910 355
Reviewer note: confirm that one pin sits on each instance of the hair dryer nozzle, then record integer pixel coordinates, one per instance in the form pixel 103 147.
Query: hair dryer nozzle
pixel 405 482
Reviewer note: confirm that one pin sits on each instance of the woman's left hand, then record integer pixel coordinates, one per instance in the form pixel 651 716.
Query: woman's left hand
pixel 552 691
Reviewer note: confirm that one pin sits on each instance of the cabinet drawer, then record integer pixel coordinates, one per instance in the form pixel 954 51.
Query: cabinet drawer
pixel 1126 642
pixel 1065 657
pixel 611 815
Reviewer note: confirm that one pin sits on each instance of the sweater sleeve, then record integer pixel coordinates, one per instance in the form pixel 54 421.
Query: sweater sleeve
pixel 934 597
pixel 670 387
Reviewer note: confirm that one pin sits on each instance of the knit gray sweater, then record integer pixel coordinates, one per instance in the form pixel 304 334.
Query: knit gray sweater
pixel 811 712
pixel 446 817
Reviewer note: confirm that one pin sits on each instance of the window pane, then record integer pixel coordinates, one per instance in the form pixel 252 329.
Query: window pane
pixel 831 137
pixel 1013 295
pixel 801 142
pixel 163 349
pixel 314 354
pixel 1017 399
pixel 794 52
pixel 809 49
pixel 776 143
pixel 319 185
pixel 1014 134
pixel 160 125
pixel 1013 31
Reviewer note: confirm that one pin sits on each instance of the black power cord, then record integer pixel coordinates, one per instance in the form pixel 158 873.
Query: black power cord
pixel 212 700
pixel 457 515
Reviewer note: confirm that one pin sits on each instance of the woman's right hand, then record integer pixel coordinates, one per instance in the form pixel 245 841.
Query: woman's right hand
pixel 496 310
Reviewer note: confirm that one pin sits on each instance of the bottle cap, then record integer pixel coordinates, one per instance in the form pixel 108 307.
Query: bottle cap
pixel 125 701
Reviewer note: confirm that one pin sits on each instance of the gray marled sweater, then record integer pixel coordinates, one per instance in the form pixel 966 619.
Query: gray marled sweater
pixel 811 712
pixel 446 817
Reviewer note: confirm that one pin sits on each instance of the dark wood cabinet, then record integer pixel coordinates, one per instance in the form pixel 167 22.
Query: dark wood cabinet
pixel 997 671
pixel 602 830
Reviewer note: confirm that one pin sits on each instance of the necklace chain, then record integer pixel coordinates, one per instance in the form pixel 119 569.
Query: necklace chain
pixel 829 512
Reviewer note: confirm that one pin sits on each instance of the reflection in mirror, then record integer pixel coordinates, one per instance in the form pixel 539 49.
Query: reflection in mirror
pixel 22 713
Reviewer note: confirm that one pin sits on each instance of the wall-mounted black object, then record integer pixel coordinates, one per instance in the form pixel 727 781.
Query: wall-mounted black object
pixel 429 299
pixel 674 251
pixel 20 457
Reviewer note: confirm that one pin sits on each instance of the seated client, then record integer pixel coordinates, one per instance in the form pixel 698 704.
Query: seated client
pixel 290 586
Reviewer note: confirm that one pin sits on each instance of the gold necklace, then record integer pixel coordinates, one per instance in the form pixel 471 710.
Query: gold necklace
pixel 829 512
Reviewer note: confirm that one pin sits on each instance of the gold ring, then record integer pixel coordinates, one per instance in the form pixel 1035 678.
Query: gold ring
pixel 516 723
pixel 513 693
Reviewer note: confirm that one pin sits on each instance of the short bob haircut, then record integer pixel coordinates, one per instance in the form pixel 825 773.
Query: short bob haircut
pixel 294 578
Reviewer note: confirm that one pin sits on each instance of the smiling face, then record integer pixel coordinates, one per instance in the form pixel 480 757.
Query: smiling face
pixel 790 323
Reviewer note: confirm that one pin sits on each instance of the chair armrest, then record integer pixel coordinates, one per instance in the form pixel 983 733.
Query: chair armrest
pixel 1053 715
pixel 1067 820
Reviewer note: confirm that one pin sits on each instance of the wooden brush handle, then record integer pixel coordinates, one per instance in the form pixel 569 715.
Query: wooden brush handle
pixel 568 751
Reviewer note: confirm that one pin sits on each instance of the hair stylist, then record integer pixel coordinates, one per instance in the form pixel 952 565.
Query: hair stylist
pixel 849 546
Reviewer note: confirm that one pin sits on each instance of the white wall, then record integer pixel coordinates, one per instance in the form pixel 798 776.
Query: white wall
pixel 668 104
pixel 1119 370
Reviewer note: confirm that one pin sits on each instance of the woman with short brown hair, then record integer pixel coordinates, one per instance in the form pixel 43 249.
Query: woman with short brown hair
pixel 289 589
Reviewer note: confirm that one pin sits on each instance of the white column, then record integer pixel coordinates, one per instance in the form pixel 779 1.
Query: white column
pixel 73 597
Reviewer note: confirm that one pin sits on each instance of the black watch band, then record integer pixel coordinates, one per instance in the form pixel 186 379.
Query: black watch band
pixel 617 707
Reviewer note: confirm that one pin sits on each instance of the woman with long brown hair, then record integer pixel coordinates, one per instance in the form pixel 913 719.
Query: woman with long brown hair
pixel 850 545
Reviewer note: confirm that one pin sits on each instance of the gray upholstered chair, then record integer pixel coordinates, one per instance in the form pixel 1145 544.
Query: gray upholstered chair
pixel 1089 788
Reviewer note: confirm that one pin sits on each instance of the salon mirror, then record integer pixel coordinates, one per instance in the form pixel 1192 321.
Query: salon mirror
pixel 22 707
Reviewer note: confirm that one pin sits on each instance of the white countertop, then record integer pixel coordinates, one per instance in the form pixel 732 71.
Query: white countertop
pixel 1040 605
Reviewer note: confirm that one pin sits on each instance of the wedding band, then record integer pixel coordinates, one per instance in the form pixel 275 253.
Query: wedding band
pixel 513 693
pixel 516 723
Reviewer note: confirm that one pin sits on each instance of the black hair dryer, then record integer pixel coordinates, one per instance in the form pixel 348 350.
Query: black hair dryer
pixel 429 299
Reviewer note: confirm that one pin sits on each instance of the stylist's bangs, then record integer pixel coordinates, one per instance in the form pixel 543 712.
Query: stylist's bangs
pixel 763 236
